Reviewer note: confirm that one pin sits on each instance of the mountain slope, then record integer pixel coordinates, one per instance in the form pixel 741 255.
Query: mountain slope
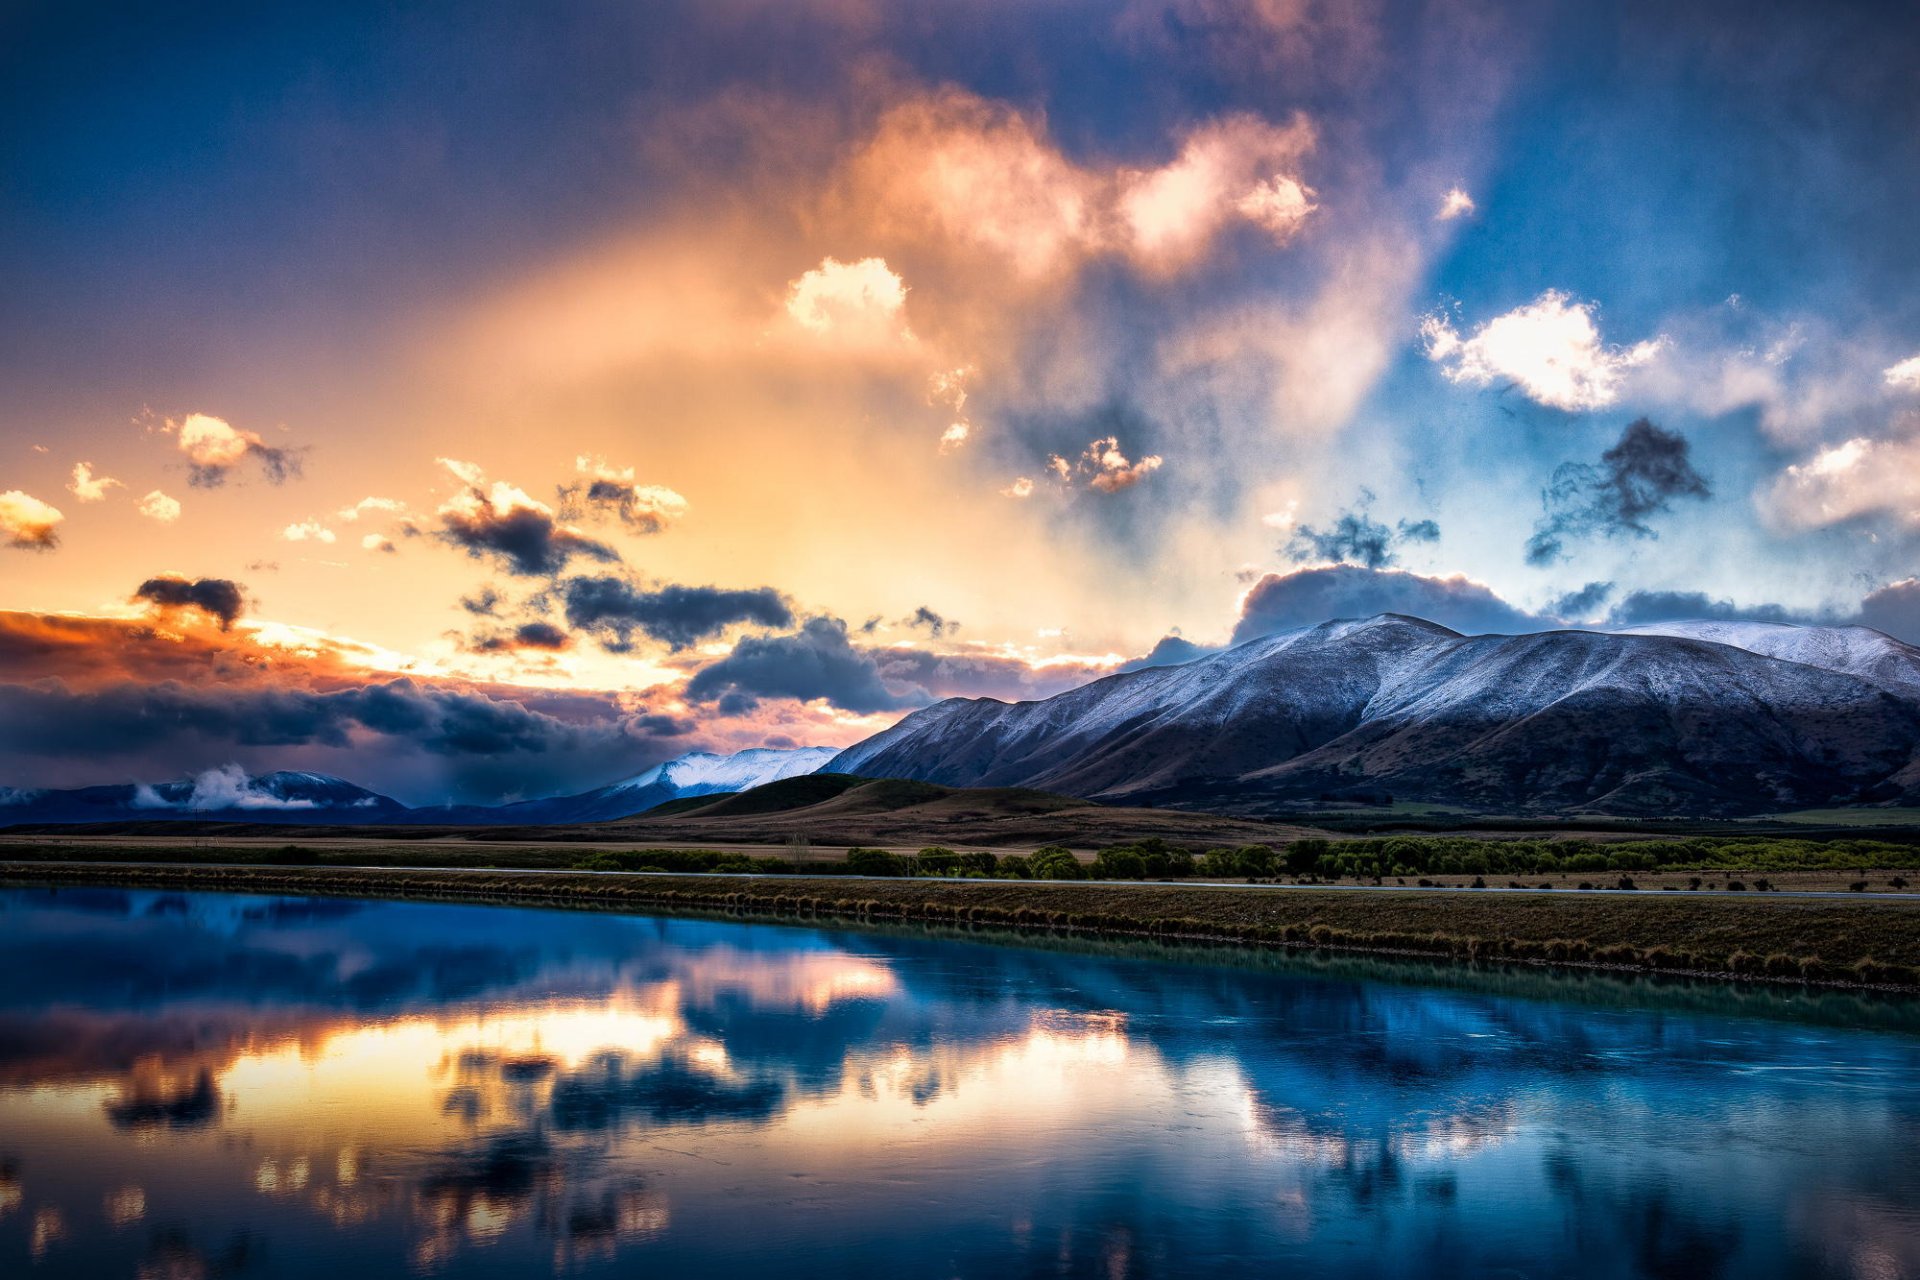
pixel 1557 721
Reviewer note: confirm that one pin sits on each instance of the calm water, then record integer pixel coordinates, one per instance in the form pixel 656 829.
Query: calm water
pixel 212 1085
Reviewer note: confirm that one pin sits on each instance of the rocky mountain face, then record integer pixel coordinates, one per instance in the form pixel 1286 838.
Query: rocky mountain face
pixel 1706 718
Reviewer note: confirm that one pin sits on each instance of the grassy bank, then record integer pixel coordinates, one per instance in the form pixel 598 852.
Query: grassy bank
pixel 1841 942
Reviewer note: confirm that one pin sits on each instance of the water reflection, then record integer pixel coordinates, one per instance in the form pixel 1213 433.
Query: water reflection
pixel 196 1085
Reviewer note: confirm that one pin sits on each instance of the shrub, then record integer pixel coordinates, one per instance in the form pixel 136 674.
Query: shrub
pixel 1303 856
pixel 1119 863
pixel 875 862
pixel 1858 886
pixel 1054 862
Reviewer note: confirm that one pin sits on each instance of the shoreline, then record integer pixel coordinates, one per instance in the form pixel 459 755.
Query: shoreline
pixel 1700 938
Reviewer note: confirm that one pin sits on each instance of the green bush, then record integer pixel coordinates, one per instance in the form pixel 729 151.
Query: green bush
pixel 1054 862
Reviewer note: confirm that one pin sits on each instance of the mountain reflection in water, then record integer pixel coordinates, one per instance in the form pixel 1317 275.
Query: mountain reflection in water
pixel 200 1085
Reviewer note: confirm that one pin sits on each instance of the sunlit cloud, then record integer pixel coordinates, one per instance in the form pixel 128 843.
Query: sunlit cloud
pixel 370 506
pixel 985 177
pixel 613 491
pixel 308 531
pixel 1455 204
pixel 954 436
pixel 1022 487
pixel 214 447
pixel 1551 349
pixel 28 523
pixel 1104 467
pixel 1905 376
pixel 88 487
pixel 1856 477
pixel 855 303
pixel 378 542
pixel 158 506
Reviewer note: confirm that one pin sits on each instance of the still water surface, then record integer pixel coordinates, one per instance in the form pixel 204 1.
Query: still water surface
pixel 222 1085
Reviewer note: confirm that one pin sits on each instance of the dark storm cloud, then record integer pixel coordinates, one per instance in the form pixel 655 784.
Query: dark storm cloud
pixel 1641 476
pixel 1581 603
pixel 936 625
pixel 817 661
pixel 528 635
pixel 1672 606
pixel 524 540
pixel 1308 597
pixel 820 660
pixel 484 603
pixel 1170 651
pixel 219 598
pixel 678 616
pixel 1355 537
pixel 483 746
pixel 1420 530
pixel 1894 609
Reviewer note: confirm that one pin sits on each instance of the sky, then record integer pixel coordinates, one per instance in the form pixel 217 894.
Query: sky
pixel 485 401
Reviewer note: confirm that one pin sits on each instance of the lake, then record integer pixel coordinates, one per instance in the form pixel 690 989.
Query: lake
pixel 229 1085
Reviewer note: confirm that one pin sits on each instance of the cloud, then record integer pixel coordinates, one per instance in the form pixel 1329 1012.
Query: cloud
pixel 1103 465
pixel 611 491
pixel 1169 651
pixel 504 524
pixel 28 523
pixel 815 662
pixel 1022 487
pixel 401 716
pixel 1642 607
pixel 1355 537
pixel 1640 476
pixel 484 603
pixel 378 542
pixel 936 625
pixel 678 616
pixel 158 506
pixel 954 436
pixel 528 635
pixel 369 506
pixel 1581 603
pixel 1904 376
pixel 1894 609
pixel 1455 204
pixel 1550 349
pixel 855 303
pixel 219 598
pixel 984 178
pixel 1308 597
pixel 1856 477
pixel 215 447
pixel 227 787
pixel 88 487
pixel 308 531
pixel 1228 168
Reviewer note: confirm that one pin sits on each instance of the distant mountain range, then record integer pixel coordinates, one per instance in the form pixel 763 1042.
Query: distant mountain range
pixel 307 799
pixel 1685 719
pixel 1679 719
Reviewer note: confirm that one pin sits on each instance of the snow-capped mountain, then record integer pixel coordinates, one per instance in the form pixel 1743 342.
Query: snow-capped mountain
pixel 1556 721
pixel 698 773
pixel 1858 651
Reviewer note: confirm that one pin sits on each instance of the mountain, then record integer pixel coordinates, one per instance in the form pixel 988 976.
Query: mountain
pixel 698 773
pixel 1555 722
pixel 226 794
pixel 229 794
